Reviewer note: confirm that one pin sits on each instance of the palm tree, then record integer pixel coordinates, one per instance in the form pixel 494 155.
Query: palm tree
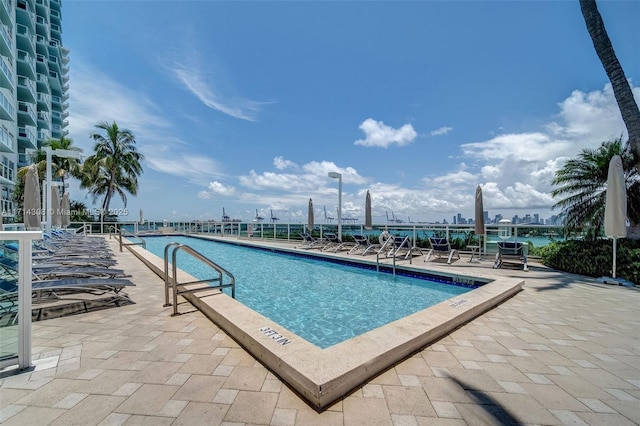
pixel 621 89
pixel 582 181
pixel 115 166
pixel 79 212
pixel 61 166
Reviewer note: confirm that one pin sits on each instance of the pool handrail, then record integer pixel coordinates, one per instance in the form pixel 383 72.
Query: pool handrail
pixel 130 235
pixel 199 256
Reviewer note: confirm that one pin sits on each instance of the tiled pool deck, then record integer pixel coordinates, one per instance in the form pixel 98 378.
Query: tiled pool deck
pixel 565 350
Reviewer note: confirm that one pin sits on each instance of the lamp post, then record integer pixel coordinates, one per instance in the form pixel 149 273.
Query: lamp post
pixel 66 153
pixel 336 175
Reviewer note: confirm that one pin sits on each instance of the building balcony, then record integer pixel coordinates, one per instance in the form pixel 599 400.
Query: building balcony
pixel 25 65
pixel 24 14
pixel 26 115
pixel 25 39
pixel 43 121
pixel 6 174
pixel 6 12
pixel 44 101
pixel 6 140
pixel 6 76
pixel 27 138
pixel 54 82
pixel 54 64
pixel 43 135
pixel 26 89
pixel 6 41
pixel 7 111
pixel 24 160
pixel 41 20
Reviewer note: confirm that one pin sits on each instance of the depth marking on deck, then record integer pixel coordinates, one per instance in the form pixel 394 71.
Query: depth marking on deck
pixel 275 335
pixel 458 303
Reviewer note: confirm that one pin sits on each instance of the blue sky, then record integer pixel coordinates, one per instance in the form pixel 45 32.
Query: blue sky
pixel 248 105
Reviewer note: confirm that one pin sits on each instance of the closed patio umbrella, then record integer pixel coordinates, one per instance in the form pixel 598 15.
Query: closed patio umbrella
pixel 479 214
pixel 479 217
pixel 55 207
pixel 65 207
pixel 310 217
pixel 615 210
pixel 32 206
pixel 368 223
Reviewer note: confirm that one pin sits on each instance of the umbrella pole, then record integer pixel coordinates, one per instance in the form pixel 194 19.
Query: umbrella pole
pixel 614 257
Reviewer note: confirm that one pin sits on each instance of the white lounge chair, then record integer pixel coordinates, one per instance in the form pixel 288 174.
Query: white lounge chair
pixel 440 247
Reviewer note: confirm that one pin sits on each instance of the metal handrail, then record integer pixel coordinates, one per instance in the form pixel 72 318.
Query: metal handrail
pixel 167 281
pixel 173 280
pixel 129 235
pixel 383 249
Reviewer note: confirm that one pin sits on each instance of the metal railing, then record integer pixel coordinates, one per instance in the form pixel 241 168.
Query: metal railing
pixel 129 236
pixel 171 280
pixel 394 249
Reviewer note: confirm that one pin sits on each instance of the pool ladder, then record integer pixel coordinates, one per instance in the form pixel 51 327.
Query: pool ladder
pixel 170 280
pixel 393 251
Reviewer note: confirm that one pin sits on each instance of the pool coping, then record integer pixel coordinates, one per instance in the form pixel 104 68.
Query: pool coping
pixel 324 376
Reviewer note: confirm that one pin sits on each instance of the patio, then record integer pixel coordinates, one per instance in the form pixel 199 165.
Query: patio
pixel 565 350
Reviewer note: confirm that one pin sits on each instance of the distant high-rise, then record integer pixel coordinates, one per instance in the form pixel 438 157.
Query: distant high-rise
pixel 34 85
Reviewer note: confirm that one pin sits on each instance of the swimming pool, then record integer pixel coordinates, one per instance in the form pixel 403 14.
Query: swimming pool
pixel 325 303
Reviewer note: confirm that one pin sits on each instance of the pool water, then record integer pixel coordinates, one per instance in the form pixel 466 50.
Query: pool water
pixel 323 302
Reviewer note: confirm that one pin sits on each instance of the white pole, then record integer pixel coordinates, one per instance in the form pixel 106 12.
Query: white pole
pixel 47 149
pixel 614 257
pixel 340 208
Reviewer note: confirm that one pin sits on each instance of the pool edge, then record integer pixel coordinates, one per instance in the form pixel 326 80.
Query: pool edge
pixel 324 376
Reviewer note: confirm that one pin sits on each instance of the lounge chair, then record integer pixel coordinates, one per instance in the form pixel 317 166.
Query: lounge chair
pixel 363 245
pixel 511 252
pixel 440 247
pixel 403 246
pixel 86 293
pixel 57 270
pixel 309 242
pixel 334 243
pixel 113 284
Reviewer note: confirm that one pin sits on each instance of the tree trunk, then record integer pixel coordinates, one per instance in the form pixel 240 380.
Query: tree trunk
pixel 621 89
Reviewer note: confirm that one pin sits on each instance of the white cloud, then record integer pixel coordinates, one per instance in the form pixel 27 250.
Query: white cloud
pixel 216 188
pixel 129 108
pixel 197 83
pixel 207 80
pixel 164 152
pixel 280 163
pixel 379 134
pixel 441 131
pixel 517 168
pixel 195 168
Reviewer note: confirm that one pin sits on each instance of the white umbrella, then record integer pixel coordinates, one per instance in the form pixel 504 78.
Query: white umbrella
pixel 310 217
pixel 55 207
pixel 141 217
pixel 368 223
pixel 32 206
pixel 615 210
pixel 65 217
pixel 479 216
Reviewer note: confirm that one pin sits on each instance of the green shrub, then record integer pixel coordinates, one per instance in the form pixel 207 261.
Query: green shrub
pixel 594 258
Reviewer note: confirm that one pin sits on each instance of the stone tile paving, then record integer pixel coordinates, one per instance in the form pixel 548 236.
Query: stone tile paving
pixel 563 351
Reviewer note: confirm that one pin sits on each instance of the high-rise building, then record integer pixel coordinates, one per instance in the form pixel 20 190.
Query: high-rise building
pixel 34 84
